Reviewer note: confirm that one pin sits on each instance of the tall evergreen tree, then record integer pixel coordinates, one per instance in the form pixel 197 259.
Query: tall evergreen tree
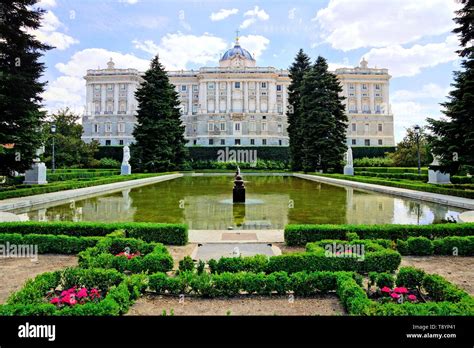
pixel 453 137
pixel 324 119
pixel 20 89
pixel 300 66
pixel 159 133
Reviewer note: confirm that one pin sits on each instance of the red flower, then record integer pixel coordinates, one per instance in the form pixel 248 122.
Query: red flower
pixel 386 289
pixel 412 297
pixel 395 296
pixel 82 293
pixel 55 300
pixel 94 293
pixel 401 290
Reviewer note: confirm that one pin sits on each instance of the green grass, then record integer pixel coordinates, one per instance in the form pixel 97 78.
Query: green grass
pixel 452 190
pixel 29 190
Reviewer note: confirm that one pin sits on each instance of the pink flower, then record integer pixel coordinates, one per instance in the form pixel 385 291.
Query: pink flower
pixel 412 297
pixel 401 290
pixel 94 293
pixel 395 296
pixel 55 300
pixel 386 289
pixel 82 293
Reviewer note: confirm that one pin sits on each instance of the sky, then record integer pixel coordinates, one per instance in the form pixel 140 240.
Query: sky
pixel 412 39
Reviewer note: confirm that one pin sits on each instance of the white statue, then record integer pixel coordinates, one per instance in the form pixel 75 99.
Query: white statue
pixel 38 153
pixel 349 160
pixel 236 252
pixel 126 155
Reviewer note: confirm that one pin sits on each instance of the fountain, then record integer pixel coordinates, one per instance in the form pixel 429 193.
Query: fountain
pixel 239 188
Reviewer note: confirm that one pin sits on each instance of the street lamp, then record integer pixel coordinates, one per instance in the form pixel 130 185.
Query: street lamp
pixel 53 131
pixel 417 133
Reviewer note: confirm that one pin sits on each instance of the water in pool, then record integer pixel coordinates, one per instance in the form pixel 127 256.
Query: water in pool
pixel 204 202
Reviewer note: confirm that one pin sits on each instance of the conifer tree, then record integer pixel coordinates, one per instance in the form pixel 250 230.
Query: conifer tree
pixel 301 65
pixel 324 121
pixel 159 133
pixel 20 89
pixel 453 136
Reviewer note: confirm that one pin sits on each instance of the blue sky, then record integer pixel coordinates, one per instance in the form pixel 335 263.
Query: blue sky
pixel 412 39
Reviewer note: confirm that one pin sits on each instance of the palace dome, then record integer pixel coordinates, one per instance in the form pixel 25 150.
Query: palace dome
pixel 236 50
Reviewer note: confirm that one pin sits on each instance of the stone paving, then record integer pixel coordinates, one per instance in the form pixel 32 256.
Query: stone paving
pixel 217 250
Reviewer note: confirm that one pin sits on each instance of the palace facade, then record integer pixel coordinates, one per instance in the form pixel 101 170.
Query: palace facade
pixel 236 103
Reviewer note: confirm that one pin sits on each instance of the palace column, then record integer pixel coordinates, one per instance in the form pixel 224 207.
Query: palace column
pixel 102 99
pixel 216 97
pixel 371 98
pixel 190 99
pixel 229 97
pixel 272 97
pixel 245 86
pixel 202 97
pixel 359 97
pixel 283 98
pixel 257 93
pixel 116 97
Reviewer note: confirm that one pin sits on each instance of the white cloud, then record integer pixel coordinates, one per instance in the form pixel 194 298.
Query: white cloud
pixel 428 91
pixel 182 20
pixel 48 32
pixel 349 24
pixel 254 15
pixel 409 61
pixel 177 50
pixel 332 66
pixel 46 4
pixel 223 14
pixel 69 90
pixel 255 44
pixel 131 2
pixel 292 13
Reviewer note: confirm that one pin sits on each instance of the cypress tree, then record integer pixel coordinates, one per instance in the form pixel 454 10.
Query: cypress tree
pixel 324 119
pixel 20 89
pixel 301 65
pixel 453 137
pixel 159 133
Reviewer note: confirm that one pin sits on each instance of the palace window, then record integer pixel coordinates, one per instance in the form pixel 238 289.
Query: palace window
pixel 108 127
pixel 354 142
pixel 211 141
pixel 237 85
pixel 365 108
pixel 279 142
pixel 380 127
pixel 210 85
pixel 121 127
pixel 264 141
pixel 222 126
pixel 222 141
pixel 367 142
pixel 237 141
pixel 279 88
pixel 364 86
pixel 96 128
pixel 110 87
pixel 354 127
pixel 264 117
pixel 107 143
pixel 183 88
pixel 380 142
pixel 210 127
pixel 120 142
pixel 97 87
pixel 351 86
pixel 252 141
pixel 263 85
pixel 280 128
pixel 366 128
pixel 195 88
pixel 377 87
pixel 264 126
pixel 123 86
pixel 253 126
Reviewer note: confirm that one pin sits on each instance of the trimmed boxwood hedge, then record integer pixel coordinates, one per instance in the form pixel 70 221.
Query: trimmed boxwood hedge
pixel 62 176
pixel 31 299
pixel 457 246
pixel 209 153
pixel 302 234
pixel 170 234
pixel 154 256
pixel 447 298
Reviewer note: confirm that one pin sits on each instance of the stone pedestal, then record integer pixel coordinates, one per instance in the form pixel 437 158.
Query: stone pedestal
pixel 238 195
pixel 36 175
pixel 437 177
pixel 126 169
pixel 348 170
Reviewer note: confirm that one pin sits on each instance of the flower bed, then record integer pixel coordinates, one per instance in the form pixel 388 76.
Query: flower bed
pixel 61 293
pixel 432 295
pixel 127 255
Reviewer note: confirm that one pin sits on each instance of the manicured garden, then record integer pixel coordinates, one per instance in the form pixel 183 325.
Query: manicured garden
pixel 121 263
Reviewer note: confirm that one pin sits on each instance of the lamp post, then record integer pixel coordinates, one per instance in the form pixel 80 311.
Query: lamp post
pixel 417 133
pixel 53 131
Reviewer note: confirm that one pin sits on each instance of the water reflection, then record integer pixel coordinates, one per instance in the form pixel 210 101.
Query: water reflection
pixel 198 202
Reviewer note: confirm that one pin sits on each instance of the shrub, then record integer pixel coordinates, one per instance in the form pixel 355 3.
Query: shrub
pixel 186 264
pixel 384 279
pixel 109 163
pixel 410 277
pixel 301 234
pixel 152 258
pixel 373 162
pixel 173 234
pixel 440 289
pixel 30 300
pixel 462 246
pixel 420 246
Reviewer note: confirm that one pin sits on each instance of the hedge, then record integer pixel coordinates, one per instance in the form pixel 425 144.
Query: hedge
pixel 406 176
pixel 70 185
pixel 371 151
pixel 172 234
pixel 233 284
pixel 458 246
pixel 154 257
pixel 375 259
pixel 209 153
pixel 50 244
pixel 453 190
pixel 31 299
pixel 301 234
pixel 62 176
pixel 391 170
pixel 447 298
